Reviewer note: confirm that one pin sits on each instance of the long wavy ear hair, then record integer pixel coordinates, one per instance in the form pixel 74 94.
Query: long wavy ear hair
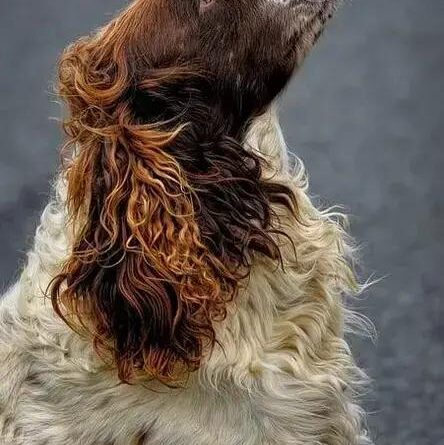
pixel 167 216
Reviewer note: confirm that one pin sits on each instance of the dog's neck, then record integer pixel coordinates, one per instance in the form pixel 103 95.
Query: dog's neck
pixel 264 135
pixel 208 112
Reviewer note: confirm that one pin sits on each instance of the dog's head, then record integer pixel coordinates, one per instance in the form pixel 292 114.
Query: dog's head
pixel 247 49
pixel 169 208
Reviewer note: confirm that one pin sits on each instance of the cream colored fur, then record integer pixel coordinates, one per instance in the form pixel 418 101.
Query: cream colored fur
pixel 284 376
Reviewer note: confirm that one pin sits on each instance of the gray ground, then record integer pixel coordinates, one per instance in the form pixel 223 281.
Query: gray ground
pixel 366 115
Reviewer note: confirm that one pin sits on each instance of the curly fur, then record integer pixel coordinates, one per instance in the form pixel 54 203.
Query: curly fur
pixel 196 294
pixel 169 209
pixel 284 375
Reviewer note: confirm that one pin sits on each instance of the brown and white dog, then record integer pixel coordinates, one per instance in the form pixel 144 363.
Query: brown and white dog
pixel 182 289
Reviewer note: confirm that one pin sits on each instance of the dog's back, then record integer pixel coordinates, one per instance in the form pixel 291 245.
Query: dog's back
pixel 282 373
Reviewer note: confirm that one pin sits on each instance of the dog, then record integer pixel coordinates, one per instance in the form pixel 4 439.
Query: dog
pixel 182 287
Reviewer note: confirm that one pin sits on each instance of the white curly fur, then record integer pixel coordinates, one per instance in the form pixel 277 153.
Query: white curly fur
pixel 282 375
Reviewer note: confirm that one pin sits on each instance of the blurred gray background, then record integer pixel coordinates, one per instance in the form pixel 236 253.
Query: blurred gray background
pixel 366 116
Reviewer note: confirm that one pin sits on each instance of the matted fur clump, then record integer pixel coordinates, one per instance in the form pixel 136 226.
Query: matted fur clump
pixel 197 294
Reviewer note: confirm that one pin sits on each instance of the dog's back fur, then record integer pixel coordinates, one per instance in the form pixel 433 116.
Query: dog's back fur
pixel 284 375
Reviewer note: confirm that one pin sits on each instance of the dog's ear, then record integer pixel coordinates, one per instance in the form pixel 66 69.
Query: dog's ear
pixel 139 278
pixel 167 206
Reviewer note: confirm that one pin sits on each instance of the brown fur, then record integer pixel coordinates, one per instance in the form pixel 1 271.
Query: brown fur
pixel 168 205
